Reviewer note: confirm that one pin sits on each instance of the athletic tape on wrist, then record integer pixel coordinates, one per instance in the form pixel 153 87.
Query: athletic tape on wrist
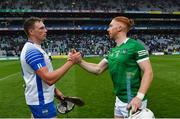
pixel 140 95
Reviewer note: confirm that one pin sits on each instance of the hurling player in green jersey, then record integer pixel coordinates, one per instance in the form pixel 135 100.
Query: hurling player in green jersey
pixel 129 67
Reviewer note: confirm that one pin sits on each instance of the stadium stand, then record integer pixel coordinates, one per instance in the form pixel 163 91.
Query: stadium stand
pixel 83 24
pixel 130 5
pixel 88 44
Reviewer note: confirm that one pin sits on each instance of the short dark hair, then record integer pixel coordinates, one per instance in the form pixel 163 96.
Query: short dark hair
pixel 29 24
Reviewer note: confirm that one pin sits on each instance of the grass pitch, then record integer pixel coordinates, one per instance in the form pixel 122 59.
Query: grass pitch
pixel 96 91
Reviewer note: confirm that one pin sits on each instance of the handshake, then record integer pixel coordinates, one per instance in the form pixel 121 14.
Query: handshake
pixel 74 56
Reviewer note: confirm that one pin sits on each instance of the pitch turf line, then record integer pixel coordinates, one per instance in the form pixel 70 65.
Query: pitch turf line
pixel 9 76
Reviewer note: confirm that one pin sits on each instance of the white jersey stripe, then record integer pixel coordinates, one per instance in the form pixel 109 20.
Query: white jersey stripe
pixel 138 61
pixel 35 56
pixel 35 60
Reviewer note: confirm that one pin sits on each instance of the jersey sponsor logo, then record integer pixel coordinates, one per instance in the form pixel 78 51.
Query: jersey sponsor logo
pixel 124 51
pixel 114 54
pixel 142 53
pixel 119 52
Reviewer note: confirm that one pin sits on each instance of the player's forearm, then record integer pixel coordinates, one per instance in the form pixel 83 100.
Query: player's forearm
pixel 146 81
pixel 90 67
pixel 58 93
pixel 53 77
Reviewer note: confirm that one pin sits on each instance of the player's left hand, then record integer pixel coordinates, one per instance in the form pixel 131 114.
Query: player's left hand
pixel 59 94
pixel 60 97
pixel 134 104
pixel 75 57
pixel 72 51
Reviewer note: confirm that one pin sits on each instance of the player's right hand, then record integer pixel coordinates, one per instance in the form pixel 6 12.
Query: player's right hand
pixel 73 51
pixel 74 57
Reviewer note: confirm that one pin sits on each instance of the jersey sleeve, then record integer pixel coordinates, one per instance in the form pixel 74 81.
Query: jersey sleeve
pixel 141 53
pixel 106 57
pixel 35 59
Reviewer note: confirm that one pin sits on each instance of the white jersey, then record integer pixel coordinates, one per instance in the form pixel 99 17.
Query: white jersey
pixel 33 57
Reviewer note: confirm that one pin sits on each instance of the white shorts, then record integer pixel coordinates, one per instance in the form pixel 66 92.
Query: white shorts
pixel 120 108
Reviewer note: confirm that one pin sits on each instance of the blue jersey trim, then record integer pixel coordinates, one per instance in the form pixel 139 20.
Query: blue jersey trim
pixel 128 87
pixel 35 59
pixel 40 90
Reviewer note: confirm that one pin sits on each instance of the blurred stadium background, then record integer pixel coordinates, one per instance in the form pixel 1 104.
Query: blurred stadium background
pixel 82 24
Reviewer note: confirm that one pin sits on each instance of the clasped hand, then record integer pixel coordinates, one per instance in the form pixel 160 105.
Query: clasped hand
pixel 74 56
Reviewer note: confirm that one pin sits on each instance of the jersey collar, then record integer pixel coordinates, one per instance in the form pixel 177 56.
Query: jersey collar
pixel 124 42
pixel 37 45
pixel 29 41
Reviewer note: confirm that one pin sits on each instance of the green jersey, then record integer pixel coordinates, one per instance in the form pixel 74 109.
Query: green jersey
pixel 124 69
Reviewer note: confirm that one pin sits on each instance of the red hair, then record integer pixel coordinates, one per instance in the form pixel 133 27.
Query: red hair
pixel 128 22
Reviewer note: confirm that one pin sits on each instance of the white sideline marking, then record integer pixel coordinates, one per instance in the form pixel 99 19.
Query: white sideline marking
pixel 9 76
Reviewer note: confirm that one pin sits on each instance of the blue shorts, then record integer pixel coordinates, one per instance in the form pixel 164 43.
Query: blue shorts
pixel 43 111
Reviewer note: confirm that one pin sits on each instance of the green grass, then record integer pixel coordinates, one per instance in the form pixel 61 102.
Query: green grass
pixel 96 91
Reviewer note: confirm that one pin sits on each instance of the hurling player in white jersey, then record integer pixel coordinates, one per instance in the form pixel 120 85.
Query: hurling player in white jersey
pixel 38 72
